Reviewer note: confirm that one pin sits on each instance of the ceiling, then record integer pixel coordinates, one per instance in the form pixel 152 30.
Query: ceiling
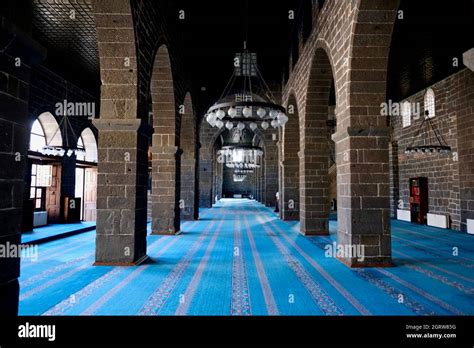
pixel 425 42
pixel 67 30
pixel 214 31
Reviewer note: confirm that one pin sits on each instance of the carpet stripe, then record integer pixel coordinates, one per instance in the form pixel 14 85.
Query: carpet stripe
pixel 318 295
pixel 191 290
pixel 100 302
pixel 158 299
pixel 240 289
pixel 266 288
pixel 421 292
pixel 357 305
pixel 441 269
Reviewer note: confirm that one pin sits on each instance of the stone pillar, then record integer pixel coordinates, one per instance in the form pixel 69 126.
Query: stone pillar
pixel 14 139
pixel 271 173
pixel 314 188
pixel 197 194
pixel 290 195
pixel 205 183
pixel 165 191
pixel 394 179
pixel 363 189
pixel 188 183
pixel 68 179
pixel 122 191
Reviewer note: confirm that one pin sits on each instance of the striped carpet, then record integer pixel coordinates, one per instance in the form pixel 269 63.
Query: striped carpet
pixel 240 259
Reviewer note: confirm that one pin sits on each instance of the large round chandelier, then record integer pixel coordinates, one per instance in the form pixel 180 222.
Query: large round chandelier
pixel 240 156
pixel 239 106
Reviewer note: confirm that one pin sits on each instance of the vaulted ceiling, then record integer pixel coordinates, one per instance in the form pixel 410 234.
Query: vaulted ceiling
pixel 425 41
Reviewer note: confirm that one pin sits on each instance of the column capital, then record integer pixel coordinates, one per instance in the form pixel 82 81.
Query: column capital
pixel 132 125
pixel 361 132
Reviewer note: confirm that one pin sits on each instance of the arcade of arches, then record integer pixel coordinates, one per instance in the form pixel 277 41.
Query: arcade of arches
pixel 134 168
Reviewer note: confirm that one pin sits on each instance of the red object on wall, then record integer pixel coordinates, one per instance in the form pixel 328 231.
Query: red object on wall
pixel 419 200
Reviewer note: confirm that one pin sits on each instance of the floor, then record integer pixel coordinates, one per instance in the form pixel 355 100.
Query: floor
pixel 240 259
pixel 55 231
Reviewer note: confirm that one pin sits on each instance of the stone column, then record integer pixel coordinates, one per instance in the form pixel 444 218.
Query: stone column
pixel 68 179
pixel 314 189
pixel 17 47
pixel 188 183
pixel 165 189
pixel 363 189
pixel 271 173
pixel 122 191
pixel 394 179
pixel 290 195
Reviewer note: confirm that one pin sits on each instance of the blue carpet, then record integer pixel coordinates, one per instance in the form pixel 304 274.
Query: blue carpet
pixel 55 230
pixel 240 259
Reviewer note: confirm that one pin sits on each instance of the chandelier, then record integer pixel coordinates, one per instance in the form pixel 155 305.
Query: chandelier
pixel 440 147
pixel 64 128
pixel 239 177
pixel 240 156
pixel 239 106
pixel 243 171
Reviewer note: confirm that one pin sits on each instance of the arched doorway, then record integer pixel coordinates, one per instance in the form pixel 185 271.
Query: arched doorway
pixel 86 175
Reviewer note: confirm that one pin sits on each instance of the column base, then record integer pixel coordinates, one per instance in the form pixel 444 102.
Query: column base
pixel 166 233
pixel 123 264
pixel 315 233
pixel 371 262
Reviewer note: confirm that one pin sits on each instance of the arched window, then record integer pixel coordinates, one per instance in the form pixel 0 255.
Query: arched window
pixel 45 132
pixel 430 106
pixel 406 114
pixel 88 143
pixel 37 137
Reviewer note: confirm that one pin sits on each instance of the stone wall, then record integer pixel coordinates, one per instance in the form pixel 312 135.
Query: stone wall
pixel 446 173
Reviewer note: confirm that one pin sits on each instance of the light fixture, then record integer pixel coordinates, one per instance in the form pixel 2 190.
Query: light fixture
pixel 421 145
pixel 241 104
pixel 64 128
pixel 239 177
pixel 240 156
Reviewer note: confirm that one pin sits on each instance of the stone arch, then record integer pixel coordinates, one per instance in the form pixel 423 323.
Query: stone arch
pixel 314 155
pixel 188 160
pixel 362 137
pixel 165 194
pixel 290 195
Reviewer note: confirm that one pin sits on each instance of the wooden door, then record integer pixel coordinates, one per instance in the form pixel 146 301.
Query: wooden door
pixel 90 194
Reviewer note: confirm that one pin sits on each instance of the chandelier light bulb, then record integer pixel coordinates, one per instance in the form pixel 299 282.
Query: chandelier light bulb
pixel 241 126
pixel 274 113
pixel 229 125
pixel 261 112
pixel 232 112
pixel 253 126
pixel 282 118
pixel 265 125
pixel 220 114
pixel 274 123
pixel 247 112
pixel 219 124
